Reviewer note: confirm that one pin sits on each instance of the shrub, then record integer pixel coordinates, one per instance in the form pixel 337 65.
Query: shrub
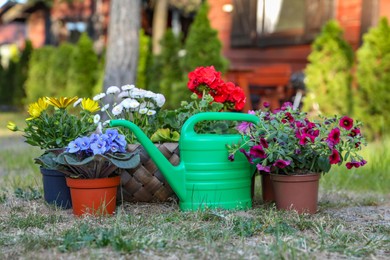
pixel 173 82
pixel 328 73
pixel 39 66
pixel 373 77
pixel 203 48
pixel 20 74
pixel 144 53
pixel 59 63
pixel 83 71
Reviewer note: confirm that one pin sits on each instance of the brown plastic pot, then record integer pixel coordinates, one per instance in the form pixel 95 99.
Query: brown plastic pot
pixel 267 191
pixel 93 196
pixel 296 192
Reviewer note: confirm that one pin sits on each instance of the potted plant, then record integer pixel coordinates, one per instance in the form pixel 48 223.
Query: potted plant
pixel 296 151
pixel 92 165
pixel 162 126
pixel 52 124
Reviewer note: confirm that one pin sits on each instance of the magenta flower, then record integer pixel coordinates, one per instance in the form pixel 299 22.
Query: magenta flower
pixel 263 142
pixel 263 168
pixel 286 105
pixel 257 151
pixel 266 104
pixel 355 164
pixel 281 163
pixel 354 132
pixel 363 162
pixel 244 127
pixel 346 123
pixel 247 155
pixel 334 136
pixel 334 158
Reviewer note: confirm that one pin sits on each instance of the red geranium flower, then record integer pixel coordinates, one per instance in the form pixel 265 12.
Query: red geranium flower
pixel 346 123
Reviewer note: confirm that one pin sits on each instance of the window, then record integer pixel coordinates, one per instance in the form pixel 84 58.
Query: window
pixel 278 22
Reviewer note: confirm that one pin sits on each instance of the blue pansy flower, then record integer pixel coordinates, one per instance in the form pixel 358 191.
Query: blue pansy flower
pixel 98 147
pixel 74 146
pixel 112 134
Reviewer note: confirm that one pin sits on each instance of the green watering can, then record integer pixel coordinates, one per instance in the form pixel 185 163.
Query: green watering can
pixel 204 178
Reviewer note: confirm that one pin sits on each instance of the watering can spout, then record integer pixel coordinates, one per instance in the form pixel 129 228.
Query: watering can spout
pixel 174 174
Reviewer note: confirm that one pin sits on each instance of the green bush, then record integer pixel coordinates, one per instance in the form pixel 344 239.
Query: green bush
pixel 39 66
pixel 20 74
pixel 83 71
pixel 373 77
pixel 59 63
pixel 203 48
pixel 328 73
pixel 144 53
pixel 173 82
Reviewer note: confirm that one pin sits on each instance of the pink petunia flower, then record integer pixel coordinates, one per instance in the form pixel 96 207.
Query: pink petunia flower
pixel 257 151
pixel 263 168
pixel 334 158
pixel 346 122
pixel 281 163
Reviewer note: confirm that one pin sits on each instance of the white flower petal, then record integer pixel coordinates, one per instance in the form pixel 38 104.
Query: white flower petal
pixel 105 107
pixel 113 90
pixel 150 94
pixel 123 94
pixel 99 96
pixel 127 87
pixel 117 110
pixel 160 100
pixel 107 122
pixel 151 112
pixel 75 104
pixel 96 118
pixel 130 103
pixel 143 111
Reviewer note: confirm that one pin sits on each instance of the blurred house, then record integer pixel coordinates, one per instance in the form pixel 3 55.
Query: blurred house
pixel 266 41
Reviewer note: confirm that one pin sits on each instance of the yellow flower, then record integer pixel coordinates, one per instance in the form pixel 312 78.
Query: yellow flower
pixel 62 102
pixel 90 105
pixel 35 109
pixel 12 126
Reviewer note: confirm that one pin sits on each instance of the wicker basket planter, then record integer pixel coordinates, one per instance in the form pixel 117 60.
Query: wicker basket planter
pixel 146 183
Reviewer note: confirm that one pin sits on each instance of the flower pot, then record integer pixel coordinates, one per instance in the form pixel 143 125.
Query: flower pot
pixel 296 192
pixel 267 190
pixel 55 190
pixel 93 196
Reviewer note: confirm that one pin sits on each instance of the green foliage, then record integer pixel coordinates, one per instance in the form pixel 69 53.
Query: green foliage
pixel 39 66
pixel 203 48
pixel 373 77
pixel 59 64
pixel 328 73
pixel 172 85
pixel 82 74
pixel 144 53
pixel 20 75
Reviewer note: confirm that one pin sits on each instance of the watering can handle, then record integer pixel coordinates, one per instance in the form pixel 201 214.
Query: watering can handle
pixel 189 125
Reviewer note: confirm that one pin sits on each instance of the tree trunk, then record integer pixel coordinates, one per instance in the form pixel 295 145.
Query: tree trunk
pixel 159 24
pixel 123 43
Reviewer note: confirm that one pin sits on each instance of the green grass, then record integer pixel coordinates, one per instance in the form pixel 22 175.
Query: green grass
pixel 349 223
pixel 373 177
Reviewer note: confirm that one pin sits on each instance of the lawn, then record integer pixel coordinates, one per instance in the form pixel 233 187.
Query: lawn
pixel 353 219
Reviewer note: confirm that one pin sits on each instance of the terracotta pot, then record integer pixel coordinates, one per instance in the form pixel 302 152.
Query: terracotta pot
pixel 296 192
pixel 55 190
pixel 267 190
pixel 93 196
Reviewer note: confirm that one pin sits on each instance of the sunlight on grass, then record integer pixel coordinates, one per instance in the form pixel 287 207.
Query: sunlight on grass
pixel 375 176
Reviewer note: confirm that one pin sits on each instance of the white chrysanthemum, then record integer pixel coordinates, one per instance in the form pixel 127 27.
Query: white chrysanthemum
pixel 127 87
pixel 151 112
pixel 137 93
pixel 143 111
pixel 75 104
pixel 96 118
pixel 106 123
pixel 105 107
pixel 130 103
pixel 150 94
pixel 123 94
pixel 113 90
pixel 160 100
pixel 117 110
pixel 99 96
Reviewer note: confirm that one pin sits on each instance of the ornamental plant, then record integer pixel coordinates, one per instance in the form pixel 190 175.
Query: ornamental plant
pixel 53 122
pixel 286 141
pixel 144 108
pixel 99 155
